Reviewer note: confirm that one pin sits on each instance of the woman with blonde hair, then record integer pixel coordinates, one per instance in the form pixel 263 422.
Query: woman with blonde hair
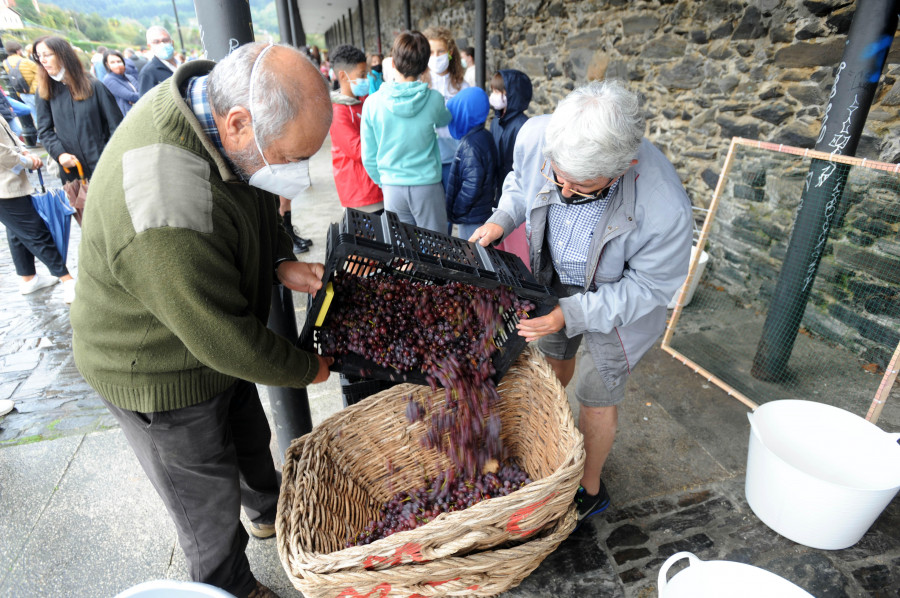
pixel 76 114
pixel 446 75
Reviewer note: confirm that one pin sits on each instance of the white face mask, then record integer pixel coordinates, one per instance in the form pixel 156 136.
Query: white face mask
pixel 498 100
pixel 288 180
pixel 439 64
pixel 59 76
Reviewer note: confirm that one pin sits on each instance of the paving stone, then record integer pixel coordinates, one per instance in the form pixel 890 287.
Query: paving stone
pixel 631 576
pixel 694 498
pixel 699 544
pixel 631 554
pixel 875 578
pixel 813 571
pixel 626 535
pixel 697 516
pixel 639 510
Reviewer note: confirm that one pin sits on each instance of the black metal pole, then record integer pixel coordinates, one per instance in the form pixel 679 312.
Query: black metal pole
pixel 362 27
pixel 296 24
pixel 344 29
pixel 856 80
pixel 284 22
pixel 178 26
pixel 407 12
pixel 480 41
pixel 378 26
pixel 226 25
pixel 350 21
pixel 290 406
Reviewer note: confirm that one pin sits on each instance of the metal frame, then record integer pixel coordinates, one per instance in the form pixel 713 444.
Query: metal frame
pixel 890 374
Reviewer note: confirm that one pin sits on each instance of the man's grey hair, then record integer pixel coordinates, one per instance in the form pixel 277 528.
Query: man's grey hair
pixel 595 131
pixel 154 30
pixel 277 99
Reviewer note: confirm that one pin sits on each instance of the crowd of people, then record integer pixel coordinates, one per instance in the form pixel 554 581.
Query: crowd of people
pixel 169 317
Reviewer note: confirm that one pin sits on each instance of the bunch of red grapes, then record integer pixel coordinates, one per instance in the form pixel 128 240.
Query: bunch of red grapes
pixel 448 333
pixel 409 510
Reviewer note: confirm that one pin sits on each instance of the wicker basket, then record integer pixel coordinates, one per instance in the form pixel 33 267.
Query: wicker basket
pixel 337 477
pixel 486 573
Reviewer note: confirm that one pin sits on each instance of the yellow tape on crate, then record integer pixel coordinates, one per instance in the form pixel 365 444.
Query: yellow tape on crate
pixel 329 295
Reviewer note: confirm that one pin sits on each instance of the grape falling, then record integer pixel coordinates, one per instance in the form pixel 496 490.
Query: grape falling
pixel 447 332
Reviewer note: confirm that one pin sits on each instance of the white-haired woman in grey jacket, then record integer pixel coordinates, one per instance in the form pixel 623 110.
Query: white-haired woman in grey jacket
pixel 609 228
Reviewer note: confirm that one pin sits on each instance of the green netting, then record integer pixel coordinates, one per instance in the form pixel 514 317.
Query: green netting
pixel 832 329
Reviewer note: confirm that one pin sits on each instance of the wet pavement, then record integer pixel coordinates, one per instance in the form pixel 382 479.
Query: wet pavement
pixel 80 519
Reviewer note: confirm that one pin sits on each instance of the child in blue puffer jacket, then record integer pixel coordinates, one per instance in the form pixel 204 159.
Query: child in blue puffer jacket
pixel 473 174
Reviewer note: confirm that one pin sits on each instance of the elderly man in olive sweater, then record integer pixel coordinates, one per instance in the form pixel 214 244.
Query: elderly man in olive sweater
pixel 181 246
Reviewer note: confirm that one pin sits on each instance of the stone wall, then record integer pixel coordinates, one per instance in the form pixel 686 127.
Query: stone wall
pixel 709 70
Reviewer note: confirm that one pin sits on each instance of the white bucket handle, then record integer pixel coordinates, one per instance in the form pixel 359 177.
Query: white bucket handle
pixel 661 582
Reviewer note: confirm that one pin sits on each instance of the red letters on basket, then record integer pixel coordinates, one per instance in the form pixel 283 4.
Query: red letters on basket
pixel 380 591
pixel 517 517
pixel 411 550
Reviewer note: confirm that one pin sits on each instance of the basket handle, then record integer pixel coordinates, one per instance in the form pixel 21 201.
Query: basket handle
pixel 661 582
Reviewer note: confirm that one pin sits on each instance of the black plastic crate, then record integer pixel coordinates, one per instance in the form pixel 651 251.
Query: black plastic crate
pixel 355 389
pixel 366 244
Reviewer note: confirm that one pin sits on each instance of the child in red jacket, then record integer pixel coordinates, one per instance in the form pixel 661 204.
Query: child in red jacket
pixel 354 186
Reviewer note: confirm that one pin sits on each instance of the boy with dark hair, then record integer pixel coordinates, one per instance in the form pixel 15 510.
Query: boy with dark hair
pixel 399 144
pixel 473 173
pixel 468 61
pixel 511 93
pixel 376 78
pixel 354 186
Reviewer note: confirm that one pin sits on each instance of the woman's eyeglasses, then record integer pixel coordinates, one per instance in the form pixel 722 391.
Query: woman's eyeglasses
pixel 589 196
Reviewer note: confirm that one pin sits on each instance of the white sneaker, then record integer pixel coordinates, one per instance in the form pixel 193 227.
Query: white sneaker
pixel 6 406
pixel 37 283
pixel 68 289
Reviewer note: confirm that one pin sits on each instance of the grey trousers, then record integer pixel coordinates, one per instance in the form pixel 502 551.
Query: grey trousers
pixel 205 461
pixel 419 205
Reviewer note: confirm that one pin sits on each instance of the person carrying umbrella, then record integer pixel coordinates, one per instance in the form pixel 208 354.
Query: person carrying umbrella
pixel 26 233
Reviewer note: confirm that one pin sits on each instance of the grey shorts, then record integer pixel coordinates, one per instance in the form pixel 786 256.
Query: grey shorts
pixel 590 389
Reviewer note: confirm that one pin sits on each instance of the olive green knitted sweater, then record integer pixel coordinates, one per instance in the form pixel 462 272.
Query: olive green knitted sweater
pixel 176 267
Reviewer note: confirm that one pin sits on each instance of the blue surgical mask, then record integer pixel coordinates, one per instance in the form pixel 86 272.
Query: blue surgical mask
pixel 164 51
pixel 359 87
pixel 288 180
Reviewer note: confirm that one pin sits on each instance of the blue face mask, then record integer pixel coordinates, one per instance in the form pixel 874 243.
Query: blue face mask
pixel 164 51
pixel 359 87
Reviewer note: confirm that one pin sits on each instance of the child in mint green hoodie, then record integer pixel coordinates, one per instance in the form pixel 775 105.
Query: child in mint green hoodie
pixel 399 144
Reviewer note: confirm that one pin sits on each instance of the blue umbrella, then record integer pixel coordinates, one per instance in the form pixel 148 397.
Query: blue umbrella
pixel 53 207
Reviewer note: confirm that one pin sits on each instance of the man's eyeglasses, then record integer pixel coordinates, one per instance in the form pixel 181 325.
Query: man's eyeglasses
pixel 588 197
pixel 167 40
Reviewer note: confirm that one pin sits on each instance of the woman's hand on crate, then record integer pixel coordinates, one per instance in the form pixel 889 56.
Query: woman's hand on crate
pixel 486 234
pixel 303 277
pixel 534 328
pixel 323 373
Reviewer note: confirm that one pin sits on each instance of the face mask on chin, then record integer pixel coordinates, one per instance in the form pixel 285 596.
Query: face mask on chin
pixel 58 77
pixel 288 180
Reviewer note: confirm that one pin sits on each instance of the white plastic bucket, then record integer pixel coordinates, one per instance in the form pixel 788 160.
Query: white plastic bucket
pixel 715 579
pixel 169 588
pixel 817 474
pixel 694 281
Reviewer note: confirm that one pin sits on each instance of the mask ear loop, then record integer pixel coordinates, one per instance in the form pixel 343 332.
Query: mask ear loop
pixel 252 119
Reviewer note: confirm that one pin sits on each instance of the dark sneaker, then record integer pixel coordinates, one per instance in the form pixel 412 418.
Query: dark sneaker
pixel 262 530
pixel 591 504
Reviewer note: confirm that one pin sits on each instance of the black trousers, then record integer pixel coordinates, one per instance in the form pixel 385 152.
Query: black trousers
pixel 29 237
pixel 205 462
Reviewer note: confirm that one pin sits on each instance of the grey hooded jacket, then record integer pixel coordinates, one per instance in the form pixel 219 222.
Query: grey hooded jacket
pixel 638 257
